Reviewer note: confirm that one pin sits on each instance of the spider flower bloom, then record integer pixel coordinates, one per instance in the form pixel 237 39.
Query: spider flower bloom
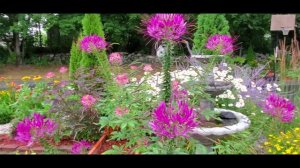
pixel 121 111
pixel 91 43
pixel 88 101
pixel 148 68
pixel 222 43
pixel 63 69
pixel 122 79
pixel 115 58
pixel 133 67
pixel 32 130
pixel 172 122
pixel 80 147
pixel 50 75
pixel 170 27
pixel 177 93
pixel 279 107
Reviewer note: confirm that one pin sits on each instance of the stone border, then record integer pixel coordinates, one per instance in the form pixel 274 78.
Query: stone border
pixel 204 56
pixel 243 123
pixel 6 128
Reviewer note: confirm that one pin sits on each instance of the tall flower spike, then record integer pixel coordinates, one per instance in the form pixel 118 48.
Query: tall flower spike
pixel 91 43
pixel 170 27
pixel 279 107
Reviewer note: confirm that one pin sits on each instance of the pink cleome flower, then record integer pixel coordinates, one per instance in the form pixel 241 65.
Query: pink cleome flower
pixel 79 147
pixel 115 58
pixel 170 27
pixel 88 101
pixel 172 122
pixel 133 67
pixel 122 79
pixel 148 68
pixel 32 130
pixel 91 43
pixel 222 43
pixel 121 111
pixel 279 107
pixel 50 75
pixel 63 69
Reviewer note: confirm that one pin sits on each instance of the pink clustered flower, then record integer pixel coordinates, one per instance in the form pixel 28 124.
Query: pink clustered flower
pixel 148 68
pixel 91 43
pixel 88 101
pixel 172 122
pixel 50 75
pixel 63 69
pixel 32 130
pixel 279 107
pixel 177 93
pixel 121 111
pixel 170 27
pixel 122 79
pixel 133 67
pixel 223 43
pixel 115 58
pixel 80 147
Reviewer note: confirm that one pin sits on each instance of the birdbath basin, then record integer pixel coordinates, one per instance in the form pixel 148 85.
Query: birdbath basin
pixel 243 123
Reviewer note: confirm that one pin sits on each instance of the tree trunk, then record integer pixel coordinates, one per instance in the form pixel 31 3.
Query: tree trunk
pixel 17 48
pixel 40 34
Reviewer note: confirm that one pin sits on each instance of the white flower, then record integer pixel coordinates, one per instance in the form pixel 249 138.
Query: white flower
pixel 269 86
pixel 133 79
pixel 217 99
pixel 247 95
pixel 253 84
pixel 262 111
pixel 259 88
pixel 223 105
pixel 225 64
pixel 230 105
pixel 278 89
pixel 275 85
pixel 253 114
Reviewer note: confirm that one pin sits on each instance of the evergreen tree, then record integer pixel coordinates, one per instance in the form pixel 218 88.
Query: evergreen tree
pixel 75 57
pixel 207 25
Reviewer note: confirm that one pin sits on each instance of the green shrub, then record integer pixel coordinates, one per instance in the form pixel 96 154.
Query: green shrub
pixel 207 25
pixel 250 58
pixel 6 114
pixel 75 57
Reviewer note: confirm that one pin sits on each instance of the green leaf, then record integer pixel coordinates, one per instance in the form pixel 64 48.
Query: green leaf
pixel 201 149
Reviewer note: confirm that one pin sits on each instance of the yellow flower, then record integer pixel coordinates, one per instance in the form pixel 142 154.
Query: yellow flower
pixel 26 78
pixel 56 81
pixel 266 143
pixel 295 140
pixel 295 153
pixel 37 77
pixel 270 150
pixel 297 129
pixel 288 151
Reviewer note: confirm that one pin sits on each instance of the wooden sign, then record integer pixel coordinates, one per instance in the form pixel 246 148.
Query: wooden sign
pixel 278 22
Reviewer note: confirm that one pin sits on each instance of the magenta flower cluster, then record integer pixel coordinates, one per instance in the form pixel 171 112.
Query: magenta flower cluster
pixel 92 43
pixel 279 107
pixel 170 27
pixel 177 93
pixel 80 147
pixel 221 43
pixel 32 130
pixel 88 101
pixel 172 122
pixel 115 58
